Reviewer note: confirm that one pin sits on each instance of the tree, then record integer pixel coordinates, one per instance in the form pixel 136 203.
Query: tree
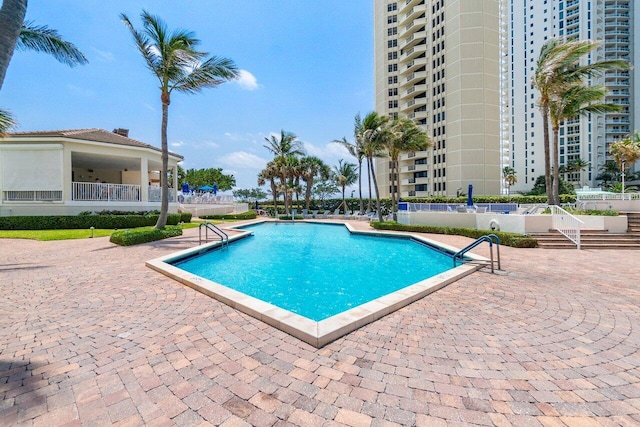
pixel 578 165
pixel 173 59
pixel 16 34
pixel 356 149
pixel 373 134
pixel 509 176
pixel 284 148
pixel 245 195
pixel 540 187
pixel 405 136
pixel 270 173
pixel 574 100
pixel 324 189
pixel 625 152
pixel 558 68
pixel 311 168
pixel 344 174
pixel 12 16
pixel 201 177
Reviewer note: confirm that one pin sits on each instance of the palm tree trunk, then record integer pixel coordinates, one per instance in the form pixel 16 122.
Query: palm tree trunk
pixel 344 201
pixel 360 184
pixel 164 205
pixel 274 193
pixel 11 19
pixel 307 194
pixel 375 186
pixel 369 178
pixel 547 155
pixel 555 151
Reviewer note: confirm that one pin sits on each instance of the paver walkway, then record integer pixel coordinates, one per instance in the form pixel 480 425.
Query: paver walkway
pixel 90 336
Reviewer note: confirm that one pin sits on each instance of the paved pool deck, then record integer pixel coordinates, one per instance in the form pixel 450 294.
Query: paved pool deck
pixel 90 336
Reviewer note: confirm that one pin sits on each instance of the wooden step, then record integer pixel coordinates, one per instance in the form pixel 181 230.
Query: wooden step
pixel 589 239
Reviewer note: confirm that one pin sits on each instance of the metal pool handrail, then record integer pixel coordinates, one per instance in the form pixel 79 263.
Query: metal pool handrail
pixel 209 226
pixel 491 239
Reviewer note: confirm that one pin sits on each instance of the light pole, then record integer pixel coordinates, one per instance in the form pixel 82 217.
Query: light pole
pixel 622 174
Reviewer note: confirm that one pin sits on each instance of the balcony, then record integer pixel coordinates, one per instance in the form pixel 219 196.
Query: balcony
pixel 417 89
pixel 417 115
pixel 412 65
pixel 414 78
pixel 415 168
pixel 414 39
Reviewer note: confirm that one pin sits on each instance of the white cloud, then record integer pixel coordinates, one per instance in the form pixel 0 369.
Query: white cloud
pixel 243 160
pixel 247 81
pixel 177 144
pixel 79 90
pixel 103 55
pixel 330 152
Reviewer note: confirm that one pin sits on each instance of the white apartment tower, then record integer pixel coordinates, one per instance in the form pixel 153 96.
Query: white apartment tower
pixel 438 62
pixel 529 23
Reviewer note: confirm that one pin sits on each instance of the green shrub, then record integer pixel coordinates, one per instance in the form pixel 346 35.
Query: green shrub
pixel 507 239
pixel 244 215
pixel 82 221
pixel 143 235
pixel 186 217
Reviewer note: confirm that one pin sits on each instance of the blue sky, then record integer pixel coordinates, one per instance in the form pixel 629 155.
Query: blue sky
pixel 307 68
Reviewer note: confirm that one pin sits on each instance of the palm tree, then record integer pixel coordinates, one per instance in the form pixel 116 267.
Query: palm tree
pixel 374 134
pixel 405 136
pixel 174 61
pixel 270 173
pixel 12 16
pixel 625 152
pixel 356 149
pixel 344 174
pixel 46 40
pixel 310 168
pixel 287 145
pixel 509 176
pixel 558 68
pixel 578 165
pixel 6 122
pixel 574 100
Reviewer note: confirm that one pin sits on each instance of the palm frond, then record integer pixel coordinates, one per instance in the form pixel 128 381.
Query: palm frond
pixel 7 122
pixel 41 38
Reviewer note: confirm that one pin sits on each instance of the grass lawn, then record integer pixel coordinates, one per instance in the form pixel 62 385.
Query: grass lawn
pixel 43 235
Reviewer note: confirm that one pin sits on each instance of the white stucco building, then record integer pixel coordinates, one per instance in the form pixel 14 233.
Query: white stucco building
pixel 66 172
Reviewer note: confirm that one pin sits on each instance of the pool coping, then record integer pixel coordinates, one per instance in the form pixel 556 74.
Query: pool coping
pixel 321 333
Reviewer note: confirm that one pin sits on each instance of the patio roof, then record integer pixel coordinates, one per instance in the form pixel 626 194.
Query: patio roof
pixel 95 134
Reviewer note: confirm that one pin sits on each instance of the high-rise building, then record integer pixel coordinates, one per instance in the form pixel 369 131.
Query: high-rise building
pixel 529 24
pixel 439 63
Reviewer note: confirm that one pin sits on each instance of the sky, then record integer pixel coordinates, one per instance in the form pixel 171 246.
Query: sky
pixel 306 67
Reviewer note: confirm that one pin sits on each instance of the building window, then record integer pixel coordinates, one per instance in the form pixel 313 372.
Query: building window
pixel 392 6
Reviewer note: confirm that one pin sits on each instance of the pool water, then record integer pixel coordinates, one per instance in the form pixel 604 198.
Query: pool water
pixel 317 270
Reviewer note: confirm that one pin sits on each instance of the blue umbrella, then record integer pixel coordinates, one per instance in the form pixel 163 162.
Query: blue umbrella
pixel 470 196
pixel 206 188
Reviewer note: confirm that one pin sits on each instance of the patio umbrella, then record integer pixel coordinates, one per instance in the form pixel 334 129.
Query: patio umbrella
pixel 205 188
pixel 470 196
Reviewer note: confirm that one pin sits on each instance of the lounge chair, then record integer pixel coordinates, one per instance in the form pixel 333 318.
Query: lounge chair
pixel 314 214
pixel 325 215
pixel 305 213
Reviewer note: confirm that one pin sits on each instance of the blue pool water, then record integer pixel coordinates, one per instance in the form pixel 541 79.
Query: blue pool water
pixel 317 270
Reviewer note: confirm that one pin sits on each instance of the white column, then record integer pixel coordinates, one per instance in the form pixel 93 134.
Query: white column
pixel 144 179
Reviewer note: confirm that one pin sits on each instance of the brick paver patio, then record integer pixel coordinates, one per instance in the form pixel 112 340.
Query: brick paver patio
pixel 90 336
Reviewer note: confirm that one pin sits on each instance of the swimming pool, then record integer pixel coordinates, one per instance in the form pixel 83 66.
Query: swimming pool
pixel 320 281
pixel 317 270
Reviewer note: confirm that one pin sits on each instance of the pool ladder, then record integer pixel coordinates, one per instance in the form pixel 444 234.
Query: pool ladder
pixel 489 238
pixel 224 238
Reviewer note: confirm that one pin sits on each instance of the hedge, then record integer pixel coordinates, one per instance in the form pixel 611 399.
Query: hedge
pixel 243 215
pixel 508 239
pixel 145 235
pixel 83 221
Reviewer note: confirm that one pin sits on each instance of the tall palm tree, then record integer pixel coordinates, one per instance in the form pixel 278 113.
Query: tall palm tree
pixel 356 149
pixel 12 16
pixel 557 68
pixel 509 176
pixel 173 59
pixel 405 136
pixel 344 174
pixel 625 152
pixel 287 145
pixel 574 100
pixel 374 134
pixel 270 173
pixel 16 34
pixel 311 168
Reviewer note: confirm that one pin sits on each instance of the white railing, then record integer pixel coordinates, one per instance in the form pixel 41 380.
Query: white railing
pixel 567 224
pixel 608 196
pixel 32 196
pixel 103 192
pixel 205 198
pixel 155 194
pixel 215 210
